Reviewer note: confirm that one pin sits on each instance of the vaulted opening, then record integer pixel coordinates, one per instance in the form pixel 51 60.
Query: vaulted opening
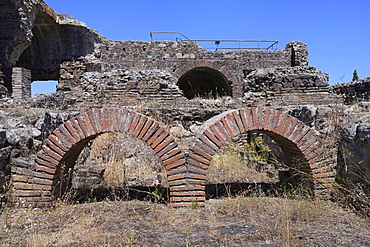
pixel 43 56
pixel 258 163
pixel 204 82
pixel 111 165
pixel 52 44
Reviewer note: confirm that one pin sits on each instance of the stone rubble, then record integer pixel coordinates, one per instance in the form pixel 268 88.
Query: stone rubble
pixel 355 152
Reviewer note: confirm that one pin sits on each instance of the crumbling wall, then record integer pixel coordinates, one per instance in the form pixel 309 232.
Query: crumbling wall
pixel 174 58
pixel 298 85
pixel 299 53
pixel 3 89
pixel 354 91
pixel 255 77
pixel 22 132
pixel 54 42
pixel 354 163
pixel 58 47
pixel 144 76
pixel 282 78
pixel 16 18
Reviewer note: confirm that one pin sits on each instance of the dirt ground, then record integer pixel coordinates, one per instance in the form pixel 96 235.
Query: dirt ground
pixel 238 221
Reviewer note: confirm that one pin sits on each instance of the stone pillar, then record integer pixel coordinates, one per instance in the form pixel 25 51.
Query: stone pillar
pixel 299 55
pixel 21 83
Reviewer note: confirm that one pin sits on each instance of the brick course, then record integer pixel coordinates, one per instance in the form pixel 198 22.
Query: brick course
pixel 186 174
pixel 59 147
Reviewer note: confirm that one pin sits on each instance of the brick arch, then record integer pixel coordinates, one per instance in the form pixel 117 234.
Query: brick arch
pixel 295 138
pixel 225 70
pixel 66 142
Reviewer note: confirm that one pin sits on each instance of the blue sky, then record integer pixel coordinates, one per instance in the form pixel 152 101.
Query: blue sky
pixel 337 32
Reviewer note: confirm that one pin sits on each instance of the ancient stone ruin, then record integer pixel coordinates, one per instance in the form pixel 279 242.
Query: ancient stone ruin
pixel 181 101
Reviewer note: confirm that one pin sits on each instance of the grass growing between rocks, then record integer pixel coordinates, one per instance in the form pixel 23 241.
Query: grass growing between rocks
pixel 239 221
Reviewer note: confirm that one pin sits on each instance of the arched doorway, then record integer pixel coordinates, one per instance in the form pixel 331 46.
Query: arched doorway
pixel 61 149
pixel 303 151
pixel 204 82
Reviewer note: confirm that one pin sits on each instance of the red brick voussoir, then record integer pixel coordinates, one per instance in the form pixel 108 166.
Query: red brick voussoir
pixel 186 173
pixel 279 125
pixel 59 147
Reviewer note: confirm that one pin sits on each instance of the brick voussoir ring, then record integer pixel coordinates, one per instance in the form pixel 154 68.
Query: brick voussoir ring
pixel 96 121
pixel 220 129
pixel 185 172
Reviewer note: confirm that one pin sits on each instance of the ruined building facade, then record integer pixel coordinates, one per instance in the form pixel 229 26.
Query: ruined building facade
pixel 108 86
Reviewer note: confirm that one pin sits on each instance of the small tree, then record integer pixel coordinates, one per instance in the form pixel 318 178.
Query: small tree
pixel 355 76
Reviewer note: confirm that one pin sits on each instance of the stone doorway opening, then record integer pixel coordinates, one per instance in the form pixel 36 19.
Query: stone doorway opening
pixel 204 82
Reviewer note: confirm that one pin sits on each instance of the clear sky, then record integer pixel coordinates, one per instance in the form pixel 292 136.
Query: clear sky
pixel 337 32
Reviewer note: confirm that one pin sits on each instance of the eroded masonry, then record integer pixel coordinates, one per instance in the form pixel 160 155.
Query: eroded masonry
pixel 207 98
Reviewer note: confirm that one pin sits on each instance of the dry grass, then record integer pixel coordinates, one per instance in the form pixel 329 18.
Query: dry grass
pixel 229 165
pixel 241 221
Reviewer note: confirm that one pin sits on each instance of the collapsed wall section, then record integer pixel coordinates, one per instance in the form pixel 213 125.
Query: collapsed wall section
pixel 354 91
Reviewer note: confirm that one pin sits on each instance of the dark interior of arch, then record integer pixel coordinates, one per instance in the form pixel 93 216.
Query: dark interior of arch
pixel 8 11
pixel 62 179
pixel 293 175
pixel 204 82
pixel 294 159
pixel 52 44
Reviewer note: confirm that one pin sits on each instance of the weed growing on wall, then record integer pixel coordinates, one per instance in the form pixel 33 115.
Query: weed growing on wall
pixel 246 159
pixel 259 154
pixel 254 165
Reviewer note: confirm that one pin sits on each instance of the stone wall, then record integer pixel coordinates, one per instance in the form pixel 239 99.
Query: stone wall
pixel 39 181
pixel 354 163
pixel 22 133
pixel 163 68
pixel 16 18
pixel 354 91
pixel 3 89
pixel 57 47
pixel 299 53
pixel 150 79
pixel 174 58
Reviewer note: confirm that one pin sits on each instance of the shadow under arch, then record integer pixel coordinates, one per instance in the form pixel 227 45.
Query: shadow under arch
pixel 204 82
pixel 297 141
pixel 66 142
pixel 52 44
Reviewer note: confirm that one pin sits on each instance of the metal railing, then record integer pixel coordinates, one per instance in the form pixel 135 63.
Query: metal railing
pixel 173 36
pixel 217 44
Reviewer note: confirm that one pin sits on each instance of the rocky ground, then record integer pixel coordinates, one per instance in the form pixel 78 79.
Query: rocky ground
pixel 240 221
